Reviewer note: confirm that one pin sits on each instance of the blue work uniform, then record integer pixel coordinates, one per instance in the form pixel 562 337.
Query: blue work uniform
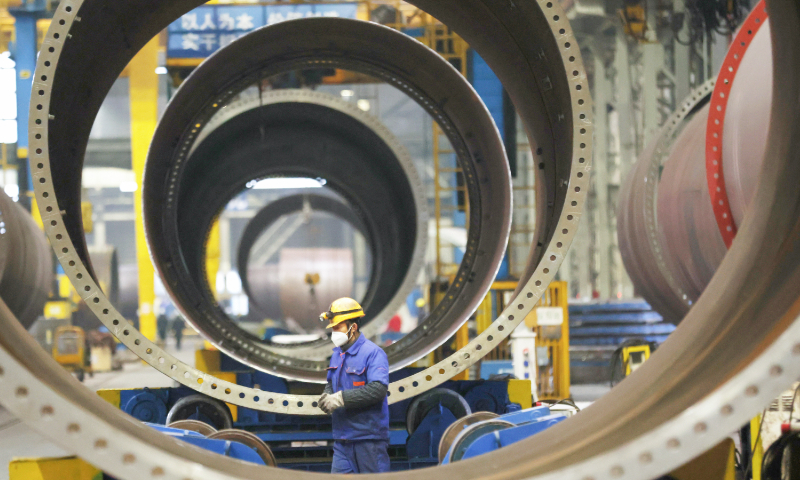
pixel 361 435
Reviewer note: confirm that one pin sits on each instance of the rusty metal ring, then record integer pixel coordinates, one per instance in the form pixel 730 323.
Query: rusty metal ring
pixel 246 438
pixel 452 431
pixel 193 426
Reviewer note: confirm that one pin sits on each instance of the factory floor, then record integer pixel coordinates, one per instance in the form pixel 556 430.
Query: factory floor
pixel 17 440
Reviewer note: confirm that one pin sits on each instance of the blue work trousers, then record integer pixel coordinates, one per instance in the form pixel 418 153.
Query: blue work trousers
pixel 362 456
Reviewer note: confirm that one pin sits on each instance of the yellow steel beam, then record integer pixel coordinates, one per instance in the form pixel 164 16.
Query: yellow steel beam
pixel 68 468
pixel 462 339
pixel 143 83
pixel 212 257
pixel 756 447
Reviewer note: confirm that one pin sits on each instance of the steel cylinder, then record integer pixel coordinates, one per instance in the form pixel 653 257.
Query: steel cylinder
pixel 672 233
pixel 26 263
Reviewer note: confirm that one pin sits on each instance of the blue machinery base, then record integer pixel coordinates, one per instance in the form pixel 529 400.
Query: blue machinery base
pixel 305 442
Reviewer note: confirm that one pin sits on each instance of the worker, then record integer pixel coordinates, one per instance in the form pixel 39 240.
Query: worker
pixel 177 328
pixel 355 396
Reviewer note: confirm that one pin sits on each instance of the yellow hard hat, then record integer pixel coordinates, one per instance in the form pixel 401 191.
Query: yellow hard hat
pixel 340 310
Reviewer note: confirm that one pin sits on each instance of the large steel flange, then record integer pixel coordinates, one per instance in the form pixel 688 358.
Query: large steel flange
pixel 26 264
pixel 290 133
pixel 176 182
pixel 529 45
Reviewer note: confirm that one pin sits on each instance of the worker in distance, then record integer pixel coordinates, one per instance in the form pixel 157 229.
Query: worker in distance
pixel 355 396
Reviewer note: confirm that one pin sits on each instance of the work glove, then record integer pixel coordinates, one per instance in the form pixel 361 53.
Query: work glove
pixel 331 402
pixel 321 403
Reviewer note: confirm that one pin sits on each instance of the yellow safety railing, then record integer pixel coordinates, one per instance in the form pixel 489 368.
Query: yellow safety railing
pixel 553 376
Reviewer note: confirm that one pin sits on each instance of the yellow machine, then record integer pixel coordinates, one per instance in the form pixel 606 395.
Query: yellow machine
pixel 69 350
pixel 633 357
pixel 552 337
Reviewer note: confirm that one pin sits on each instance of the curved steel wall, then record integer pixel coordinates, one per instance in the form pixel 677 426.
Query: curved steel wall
pixel 673 233
pixel 26 262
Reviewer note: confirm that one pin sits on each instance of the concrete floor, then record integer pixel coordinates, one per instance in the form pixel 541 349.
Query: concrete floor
pixel 17 440
pixel 585 394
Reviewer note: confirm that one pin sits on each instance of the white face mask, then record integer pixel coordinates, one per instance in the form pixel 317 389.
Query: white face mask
pixel 340 338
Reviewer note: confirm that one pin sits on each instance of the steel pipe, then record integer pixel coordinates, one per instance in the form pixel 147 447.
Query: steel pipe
pixel 733 353
pixel 677 208
pixel 26 263
pixel 292 133
pixel 273 211
pixel 532 51
pixel 425 76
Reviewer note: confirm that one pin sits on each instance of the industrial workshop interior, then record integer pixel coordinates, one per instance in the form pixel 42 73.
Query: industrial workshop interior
pixel 446 239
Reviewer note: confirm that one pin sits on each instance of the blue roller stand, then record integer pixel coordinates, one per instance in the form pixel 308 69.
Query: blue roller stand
pixel 503 438
pixel 424 442
pixel 526 423
pixel 147 407
pixel 227 448
pixel 528 415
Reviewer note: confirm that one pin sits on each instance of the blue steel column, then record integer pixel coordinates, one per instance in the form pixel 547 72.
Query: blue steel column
pixel 25 51
pixel 490 89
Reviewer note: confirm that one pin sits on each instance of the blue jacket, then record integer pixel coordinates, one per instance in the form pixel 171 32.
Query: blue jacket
pixel 362 363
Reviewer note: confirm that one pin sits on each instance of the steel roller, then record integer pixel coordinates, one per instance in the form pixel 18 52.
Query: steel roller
pixel 688 191
pixel 26 264
pixel 294 133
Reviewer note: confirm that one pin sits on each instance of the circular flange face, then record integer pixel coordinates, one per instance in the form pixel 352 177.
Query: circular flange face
pixel 664 142
pixel 451 432
pixel 553 102
pixel 246 438
pixel 336 43
pixel 716 121
pixel 729 358
pixel 223 332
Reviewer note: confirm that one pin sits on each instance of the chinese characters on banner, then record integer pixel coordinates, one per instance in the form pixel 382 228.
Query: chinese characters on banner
pixel 204 30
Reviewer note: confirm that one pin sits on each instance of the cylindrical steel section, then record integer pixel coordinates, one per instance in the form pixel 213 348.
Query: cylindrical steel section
pixel 671 265
pixel 304 138
pixel 747 123
pixel 261 298
pixel 692 245
pixel 26 264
